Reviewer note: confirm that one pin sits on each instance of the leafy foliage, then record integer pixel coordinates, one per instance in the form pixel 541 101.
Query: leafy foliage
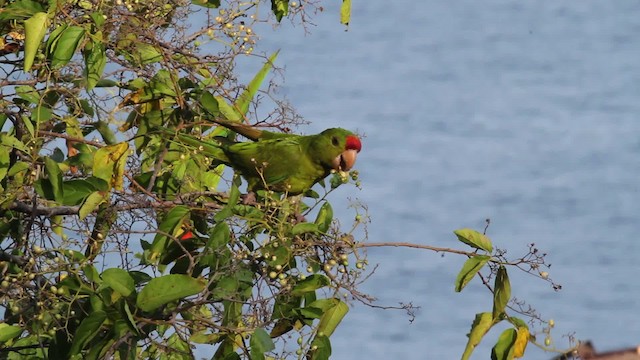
pixel 89 184
pixel 512 342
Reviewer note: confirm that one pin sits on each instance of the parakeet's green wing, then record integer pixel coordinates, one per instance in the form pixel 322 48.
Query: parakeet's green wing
pixel 283 164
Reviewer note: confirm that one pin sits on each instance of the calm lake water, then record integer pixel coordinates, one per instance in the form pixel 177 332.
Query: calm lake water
pixel 524 112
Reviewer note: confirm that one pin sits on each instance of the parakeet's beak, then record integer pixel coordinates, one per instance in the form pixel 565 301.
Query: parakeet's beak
pixel 346 160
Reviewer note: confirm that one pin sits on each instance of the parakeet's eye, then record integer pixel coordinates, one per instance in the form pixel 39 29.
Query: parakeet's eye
pixel 334 141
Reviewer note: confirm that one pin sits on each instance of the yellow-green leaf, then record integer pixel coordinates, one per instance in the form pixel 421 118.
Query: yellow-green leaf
pixel 8 332
pixel 469 270
pixel 332 317
pixel 501 292
pixel 481 325
pixel 244 100
pixel 9 142
pixel 91 203
pixel 109 162
pixel 474 239
pixel 34 30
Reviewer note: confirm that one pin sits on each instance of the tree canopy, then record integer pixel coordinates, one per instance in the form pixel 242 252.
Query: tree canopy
pixel 119 239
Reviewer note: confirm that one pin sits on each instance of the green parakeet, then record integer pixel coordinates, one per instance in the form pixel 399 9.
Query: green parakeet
pixel 282 162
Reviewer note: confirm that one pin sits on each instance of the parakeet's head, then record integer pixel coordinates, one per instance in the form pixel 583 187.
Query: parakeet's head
pixel 338 148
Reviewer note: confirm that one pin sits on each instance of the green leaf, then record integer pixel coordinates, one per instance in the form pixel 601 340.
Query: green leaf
pixel 474 239
pixel 52 41
pixel 19 167
pixel 76 190
pixel 311 283
pixel 107 134
pixel 202 337
pixel 469 270
pixel 119 280
pixel 55 178
pixel 209 103
pixel 171 221
pixel 43 188
pixel 28 93
pixel 228 111
pixel 310 312
pixel 219 236
pixel 97 349
pixel 325 217
pixel 66 45
pixel 140 277
pixel 304 227
pixel 41 114
pixel 107 83
pixel 92 274
pixel 34 30
pixel 87 330
pixel 168 288
pixel 91 203
pixel 95 60
pixel 8 332
pixel 29 125
pixel 504 348
pixel 4 164
pixel 280 8
pixel 501 292
pixel 345 12
pixel 146 53
pixel 260 343
pixel 20 9
pixel 517 322
pixel 332 317
pixel 322 346
pixel 244 100
pixel 481 325
pixel 97 17
pixel 87 108
pixel 9 142
pixel 225 288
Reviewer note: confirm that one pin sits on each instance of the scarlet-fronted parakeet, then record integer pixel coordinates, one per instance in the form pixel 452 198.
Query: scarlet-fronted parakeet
pixel 282 162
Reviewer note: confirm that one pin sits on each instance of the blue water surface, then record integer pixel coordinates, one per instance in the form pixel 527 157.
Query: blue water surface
pixel 524 112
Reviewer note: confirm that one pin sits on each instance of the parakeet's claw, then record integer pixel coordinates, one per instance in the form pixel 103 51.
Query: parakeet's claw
pixel 299 218
pixel 249 198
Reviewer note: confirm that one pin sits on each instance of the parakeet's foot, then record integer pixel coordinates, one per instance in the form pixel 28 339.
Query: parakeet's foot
pixel 249 198
pixel 299 218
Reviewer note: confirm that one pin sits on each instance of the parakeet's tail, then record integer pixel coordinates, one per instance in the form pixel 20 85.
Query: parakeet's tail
pixel 213 149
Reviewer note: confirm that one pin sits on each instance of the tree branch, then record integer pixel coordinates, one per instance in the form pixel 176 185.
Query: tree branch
pixel 44 210
pixel 417 246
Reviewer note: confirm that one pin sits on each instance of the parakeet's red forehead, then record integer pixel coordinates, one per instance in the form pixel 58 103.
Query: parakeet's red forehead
pixel 353 143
